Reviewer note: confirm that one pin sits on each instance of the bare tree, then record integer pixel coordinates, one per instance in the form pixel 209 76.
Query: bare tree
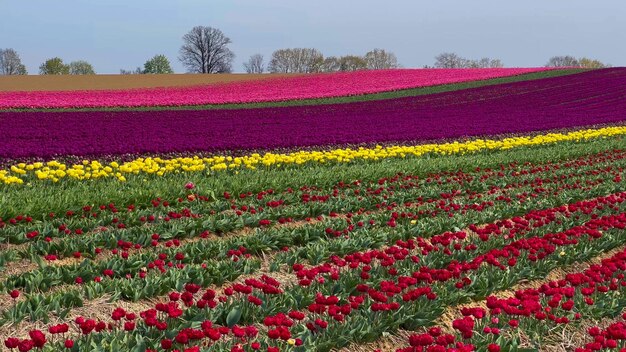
pixel 281 61
pixel 254 64
pixel 379 59
pixel 10 63
pixel 450 60
pixel 331 64
pixel 496 63
pixel 296 60
pixel 137 71
pixel 563 61
pixel 485 62
pixel 205 50
pixel 352 63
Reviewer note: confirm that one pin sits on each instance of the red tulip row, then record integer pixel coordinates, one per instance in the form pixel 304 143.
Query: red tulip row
pixel 410 274
pixel 368 297
pixel 253 203
pixel 119 223
pixel 591 294
pixel 449 203
pixel 173 266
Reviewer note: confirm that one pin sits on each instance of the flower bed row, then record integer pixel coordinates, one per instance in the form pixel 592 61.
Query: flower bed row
pixel 141 167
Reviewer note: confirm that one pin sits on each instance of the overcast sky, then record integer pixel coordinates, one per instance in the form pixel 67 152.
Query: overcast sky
pixel 116 34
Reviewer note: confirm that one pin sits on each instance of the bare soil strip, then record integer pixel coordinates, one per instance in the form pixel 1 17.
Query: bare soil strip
pixel 102 82
pixel 389 343
pixel 568 337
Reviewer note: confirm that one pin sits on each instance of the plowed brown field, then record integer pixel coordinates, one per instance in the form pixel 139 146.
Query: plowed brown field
pixel 68 82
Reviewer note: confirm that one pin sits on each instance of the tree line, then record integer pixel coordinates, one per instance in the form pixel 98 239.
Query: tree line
pixel 452 60
pixel 310 60
pixel 570 61
pixel 206 50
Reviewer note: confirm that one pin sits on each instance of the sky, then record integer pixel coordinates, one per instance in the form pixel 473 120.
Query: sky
pixel 123 34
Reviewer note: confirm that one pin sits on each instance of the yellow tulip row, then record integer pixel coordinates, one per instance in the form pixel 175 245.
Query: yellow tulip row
pixel 55 171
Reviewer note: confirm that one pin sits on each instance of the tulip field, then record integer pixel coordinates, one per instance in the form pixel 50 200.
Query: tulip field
pixel 402 210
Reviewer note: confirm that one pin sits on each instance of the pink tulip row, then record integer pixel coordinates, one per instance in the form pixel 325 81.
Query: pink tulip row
pixel 324 85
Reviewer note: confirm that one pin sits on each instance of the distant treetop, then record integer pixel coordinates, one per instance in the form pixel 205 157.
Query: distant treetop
pixel 54 66
pixel 81 67
pixel 159 64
